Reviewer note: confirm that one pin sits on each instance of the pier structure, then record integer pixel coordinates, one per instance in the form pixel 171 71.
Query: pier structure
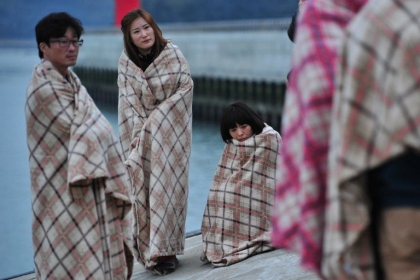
pixel 229 61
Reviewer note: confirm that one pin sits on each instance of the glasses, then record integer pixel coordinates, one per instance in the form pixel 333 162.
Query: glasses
pixel 66 43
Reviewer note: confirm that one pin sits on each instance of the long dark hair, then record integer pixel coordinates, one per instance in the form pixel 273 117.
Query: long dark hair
pixel 130 48
pixel 239 113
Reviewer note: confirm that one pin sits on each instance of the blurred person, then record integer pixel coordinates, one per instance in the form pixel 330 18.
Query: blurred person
pixel 236 220
pixel 155 124
pixel 299 208
pixel 81 225
pixel 373 216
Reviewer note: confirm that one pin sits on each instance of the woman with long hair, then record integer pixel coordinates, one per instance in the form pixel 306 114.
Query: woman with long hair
pixel 155 118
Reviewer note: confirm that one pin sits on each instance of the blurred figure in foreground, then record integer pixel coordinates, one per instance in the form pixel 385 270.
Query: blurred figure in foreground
pixel 373 214
pixel 236 221
pixel 298 215
pixel 81 226
pixel 155 124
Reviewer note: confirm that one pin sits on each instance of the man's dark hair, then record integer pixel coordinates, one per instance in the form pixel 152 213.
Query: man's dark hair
pixel 55 25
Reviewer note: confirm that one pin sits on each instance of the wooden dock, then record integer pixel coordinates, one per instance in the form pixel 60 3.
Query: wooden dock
pixel 278 264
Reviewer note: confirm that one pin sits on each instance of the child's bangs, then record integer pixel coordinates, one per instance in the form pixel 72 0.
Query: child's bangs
pixel 238 116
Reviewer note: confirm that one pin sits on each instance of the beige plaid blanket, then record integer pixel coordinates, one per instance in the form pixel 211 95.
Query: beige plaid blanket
pixel 236 220
pixel 376 117
pixel 80 189
pixel 155 118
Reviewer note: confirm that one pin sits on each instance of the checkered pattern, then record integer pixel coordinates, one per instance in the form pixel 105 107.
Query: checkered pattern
pixel 298 216
pixel 236 221
pixel 376 117
pixel 80 189
pixel 155 118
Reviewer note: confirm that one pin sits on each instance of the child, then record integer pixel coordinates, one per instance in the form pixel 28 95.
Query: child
pixel 236 219
pixel 240 122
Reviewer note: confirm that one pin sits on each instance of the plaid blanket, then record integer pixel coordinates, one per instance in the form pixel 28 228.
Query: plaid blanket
pixel 80 189
pixel 376 117
pixel 155 118
pixel 299 207
pixel 236 220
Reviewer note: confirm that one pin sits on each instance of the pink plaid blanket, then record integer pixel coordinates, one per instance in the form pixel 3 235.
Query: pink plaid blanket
pixel 155 118
pixel 236 221
pixel 80 190
pixel 298 216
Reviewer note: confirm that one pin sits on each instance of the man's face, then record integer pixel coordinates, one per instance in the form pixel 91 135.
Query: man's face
pixel 60 55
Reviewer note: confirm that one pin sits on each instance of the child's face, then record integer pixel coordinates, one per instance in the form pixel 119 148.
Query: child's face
pixel 241 132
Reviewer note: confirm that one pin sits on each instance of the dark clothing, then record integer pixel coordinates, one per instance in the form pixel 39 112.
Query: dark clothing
pixel 397 182
pixel 291 33
pixel 146 60
pixel 292 27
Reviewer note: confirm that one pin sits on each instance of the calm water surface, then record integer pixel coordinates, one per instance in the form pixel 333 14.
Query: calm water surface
pixel 16 65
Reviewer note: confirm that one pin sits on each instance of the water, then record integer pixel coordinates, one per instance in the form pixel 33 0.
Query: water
pixel 16 255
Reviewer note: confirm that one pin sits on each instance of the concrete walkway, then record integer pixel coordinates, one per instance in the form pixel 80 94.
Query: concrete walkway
pixel 278 264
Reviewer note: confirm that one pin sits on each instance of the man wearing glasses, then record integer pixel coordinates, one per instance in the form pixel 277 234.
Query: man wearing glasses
pixel 81 223
pixel 60 50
